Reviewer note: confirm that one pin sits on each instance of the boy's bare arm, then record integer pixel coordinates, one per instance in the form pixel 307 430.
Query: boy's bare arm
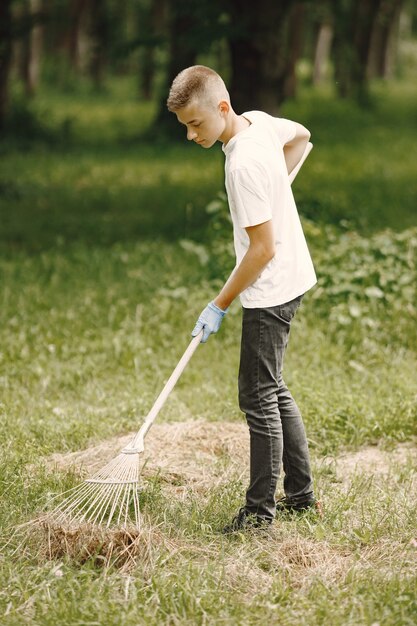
pixel 294 150
pixel 261 250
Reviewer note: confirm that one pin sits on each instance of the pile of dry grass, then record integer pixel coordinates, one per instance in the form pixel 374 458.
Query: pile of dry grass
pixel 295 561
pixel 184 455
pixel 120 547
pixel 195 454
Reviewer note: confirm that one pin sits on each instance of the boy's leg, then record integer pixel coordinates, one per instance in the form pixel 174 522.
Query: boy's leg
pixel 265 334
pixel 298 484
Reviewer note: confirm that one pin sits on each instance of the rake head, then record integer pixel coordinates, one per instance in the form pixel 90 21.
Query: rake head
pixel 109 498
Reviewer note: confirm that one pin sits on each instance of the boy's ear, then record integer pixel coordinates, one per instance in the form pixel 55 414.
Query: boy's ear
pixel 224 107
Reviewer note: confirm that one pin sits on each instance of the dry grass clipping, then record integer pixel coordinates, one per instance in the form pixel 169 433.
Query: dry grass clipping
pixel 295 561
pixel 122 548
pixel 194 453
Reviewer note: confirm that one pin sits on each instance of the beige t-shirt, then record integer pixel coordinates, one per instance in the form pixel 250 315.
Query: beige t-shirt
pixel 258 190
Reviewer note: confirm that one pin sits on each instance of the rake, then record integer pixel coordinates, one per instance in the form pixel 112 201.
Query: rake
pixel 111 496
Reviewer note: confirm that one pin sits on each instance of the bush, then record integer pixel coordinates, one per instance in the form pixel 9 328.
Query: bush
pixel 366 285
pixel 27 123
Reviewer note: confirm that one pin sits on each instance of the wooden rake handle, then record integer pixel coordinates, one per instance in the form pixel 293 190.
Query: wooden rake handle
pixel 137 444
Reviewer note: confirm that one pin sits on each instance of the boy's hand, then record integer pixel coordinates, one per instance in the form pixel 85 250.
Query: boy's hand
pixel 209 321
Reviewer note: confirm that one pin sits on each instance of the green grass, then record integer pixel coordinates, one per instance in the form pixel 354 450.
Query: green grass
pixel 101 182
pixel 356 566
pixel 108 254
pixel 104 195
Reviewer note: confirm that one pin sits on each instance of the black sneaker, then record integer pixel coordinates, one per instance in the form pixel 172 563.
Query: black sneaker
pixel 245 520
pixel 286 505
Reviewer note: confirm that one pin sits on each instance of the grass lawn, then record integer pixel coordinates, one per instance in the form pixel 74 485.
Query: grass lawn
pixel 107 255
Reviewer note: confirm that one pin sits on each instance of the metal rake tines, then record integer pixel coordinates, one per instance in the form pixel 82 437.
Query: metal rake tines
pixel 112 493
pixel 109 497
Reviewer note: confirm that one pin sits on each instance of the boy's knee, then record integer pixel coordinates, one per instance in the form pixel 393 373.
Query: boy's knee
pixel 244 402
pixel 262 404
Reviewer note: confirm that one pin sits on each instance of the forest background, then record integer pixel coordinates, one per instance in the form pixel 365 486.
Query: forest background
pixel 114 234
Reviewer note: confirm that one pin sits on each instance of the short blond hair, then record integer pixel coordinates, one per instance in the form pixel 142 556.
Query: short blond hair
pixel 197 82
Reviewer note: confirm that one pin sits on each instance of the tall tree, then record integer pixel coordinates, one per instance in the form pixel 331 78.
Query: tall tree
pixel 294 47
pixel 322 26
pixel 384 41
pixel 192 28
pixel 5 57
pixel 152 17
pixel 353 23
pixel 258 53
pixel 322 51
pixel 98 38
pixel 77 13
pixel 31 40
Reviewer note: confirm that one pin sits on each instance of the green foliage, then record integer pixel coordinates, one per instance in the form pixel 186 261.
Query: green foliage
pixel 368 285
pixel 27 123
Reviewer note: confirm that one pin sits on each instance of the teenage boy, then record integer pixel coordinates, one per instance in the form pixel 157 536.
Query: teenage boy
pixel 273 271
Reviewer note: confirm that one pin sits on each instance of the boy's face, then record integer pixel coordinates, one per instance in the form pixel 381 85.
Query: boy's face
pixel 204 125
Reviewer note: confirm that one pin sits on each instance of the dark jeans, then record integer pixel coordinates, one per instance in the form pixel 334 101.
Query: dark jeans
pixel 275 423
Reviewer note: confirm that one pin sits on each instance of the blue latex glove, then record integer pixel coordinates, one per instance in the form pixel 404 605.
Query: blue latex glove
pixel 209 321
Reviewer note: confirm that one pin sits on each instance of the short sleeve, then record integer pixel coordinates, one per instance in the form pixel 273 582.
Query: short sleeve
pixel 248 188
pixel 286 130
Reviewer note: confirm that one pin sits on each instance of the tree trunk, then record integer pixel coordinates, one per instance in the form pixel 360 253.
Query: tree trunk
pixel 258 54
pixel 153 24
pixel 5 58
pixel 294 48
pixel 98 37
pixel 353 28
pixel 182 54
pixel 33 48
pixel 322 52
pixel 147 73
pixel 389 65
pixel 77 13
pixel 384 41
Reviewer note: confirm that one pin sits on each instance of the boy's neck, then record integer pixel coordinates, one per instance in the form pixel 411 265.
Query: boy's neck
pixel 236 123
